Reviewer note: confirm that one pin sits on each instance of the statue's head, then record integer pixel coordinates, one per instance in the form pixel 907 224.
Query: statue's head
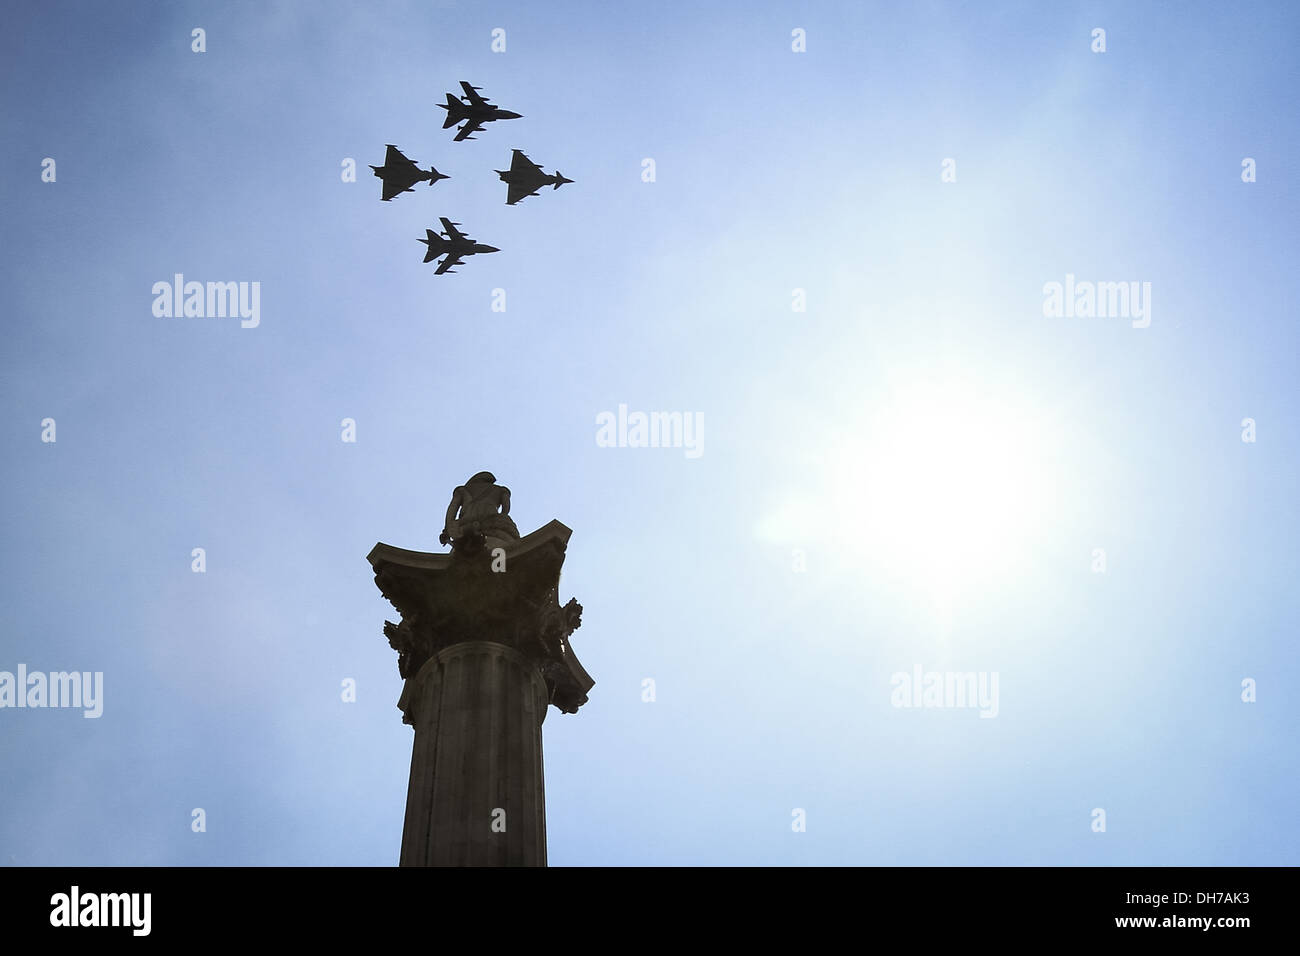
pixel 483 477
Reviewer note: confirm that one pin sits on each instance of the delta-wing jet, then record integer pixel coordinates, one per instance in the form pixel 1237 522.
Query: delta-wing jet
pixel 399 174
pixel 525 177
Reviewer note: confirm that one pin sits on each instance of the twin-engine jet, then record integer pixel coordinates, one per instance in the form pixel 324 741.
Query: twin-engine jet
pixel 399 174
pixel 525 177
pixel 474 111
pixel 455 246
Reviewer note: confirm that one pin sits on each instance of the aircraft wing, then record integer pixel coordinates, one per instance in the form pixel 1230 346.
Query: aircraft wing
pixel 447 263
pixel 395 158
pixel 471 94
pixel 450 229
pixel 470 127
pixel 518 192
pixel 392 188
pixel 519 163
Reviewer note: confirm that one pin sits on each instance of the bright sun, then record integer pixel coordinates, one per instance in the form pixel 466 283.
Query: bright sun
pixel 948 483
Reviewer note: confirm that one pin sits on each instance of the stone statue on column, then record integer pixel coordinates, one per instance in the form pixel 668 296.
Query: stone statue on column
pixel 479 511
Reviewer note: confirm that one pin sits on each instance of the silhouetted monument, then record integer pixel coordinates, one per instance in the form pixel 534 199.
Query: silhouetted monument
pixel 483 646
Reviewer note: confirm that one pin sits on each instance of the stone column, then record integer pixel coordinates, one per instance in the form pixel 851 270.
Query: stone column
pixel 476 796
pixel 483 646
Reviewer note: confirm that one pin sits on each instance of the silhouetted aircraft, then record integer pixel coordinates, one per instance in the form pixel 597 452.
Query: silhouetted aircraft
pixel 400 174
pixel 474 112
pixel 526 177
pixel 455 247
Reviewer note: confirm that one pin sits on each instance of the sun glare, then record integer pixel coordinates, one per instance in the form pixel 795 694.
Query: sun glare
pixel 948 482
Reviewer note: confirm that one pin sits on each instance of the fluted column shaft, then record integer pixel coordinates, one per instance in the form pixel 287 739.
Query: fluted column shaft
pixel 476 795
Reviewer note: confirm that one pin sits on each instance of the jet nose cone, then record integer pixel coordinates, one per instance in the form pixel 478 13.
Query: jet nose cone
pixel 488 249
pixel 506 114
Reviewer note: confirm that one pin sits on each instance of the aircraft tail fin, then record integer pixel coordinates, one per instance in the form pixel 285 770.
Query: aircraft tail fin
pixel 434 242
pixel 455 111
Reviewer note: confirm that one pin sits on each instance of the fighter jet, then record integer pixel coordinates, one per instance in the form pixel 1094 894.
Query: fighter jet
pixel 526 177
pixel 473 112
pixel 400 174
pixel 455 247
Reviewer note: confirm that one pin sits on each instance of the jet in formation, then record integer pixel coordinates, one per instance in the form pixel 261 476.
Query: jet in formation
pixel 525 177
pixel 474 111
pixel 455 246
pixel 399 174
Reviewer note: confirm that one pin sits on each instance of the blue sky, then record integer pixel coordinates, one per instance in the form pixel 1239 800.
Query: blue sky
pixel 922 412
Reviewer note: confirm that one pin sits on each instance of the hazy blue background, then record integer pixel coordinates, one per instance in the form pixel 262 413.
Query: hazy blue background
pixel 775 171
